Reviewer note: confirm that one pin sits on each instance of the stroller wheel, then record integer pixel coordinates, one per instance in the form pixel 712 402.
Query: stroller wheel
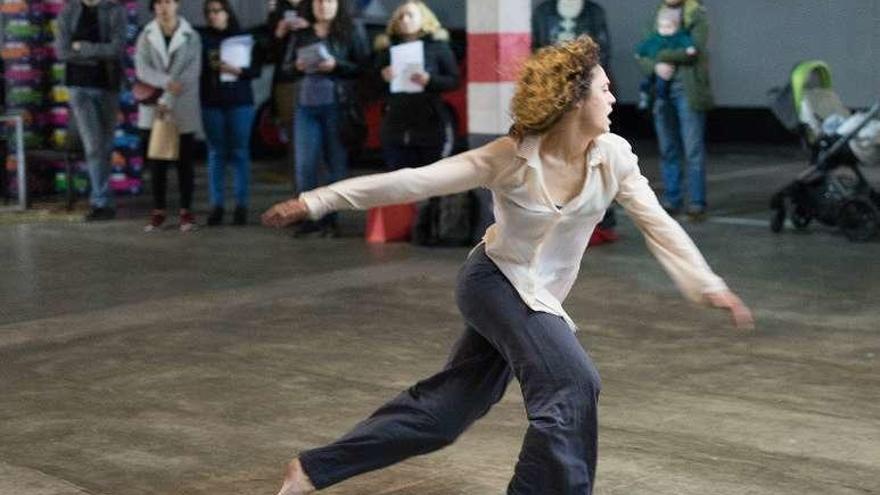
pixel 778 220
pixel 859 220
pixel 800 217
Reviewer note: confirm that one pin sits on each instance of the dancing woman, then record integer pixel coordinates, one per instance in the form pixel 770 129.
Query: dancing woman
pixel 552 178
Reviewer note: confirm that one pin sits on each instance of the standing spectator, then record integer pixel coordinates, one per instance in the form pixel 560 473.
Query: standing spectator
pixel 555 21
pixel 414 125
pixel 227 111
pixel 169 56
pixel 562 20
pixel 91 41
pixel 285 20
pixel 330 55
pixel 680 119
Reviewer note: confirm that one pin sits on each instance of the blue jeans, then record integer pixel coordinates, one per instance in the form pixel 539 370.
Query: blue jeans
pixel 95 112
pixel 504 338
pixel 681 131
pixel 228 135
pixel 316 138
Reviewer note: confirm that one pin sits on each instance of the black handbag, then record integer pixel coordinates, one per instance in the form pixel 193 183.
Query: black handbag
pixel 352 123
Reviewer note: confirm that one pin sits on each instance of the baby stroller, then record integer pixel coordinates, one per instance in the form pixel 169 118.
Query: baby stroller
pixel 833 189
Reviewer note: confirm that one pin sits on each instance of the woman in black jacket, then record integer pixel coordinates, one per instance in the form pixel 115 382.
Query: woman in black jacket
pixel 330 56
pixel 284 21
pixel 227 110
pixel 414 126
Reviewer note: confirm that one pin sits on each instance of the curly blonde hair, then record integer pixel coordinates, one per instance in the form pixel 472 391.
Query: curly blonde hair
pixel 430 23
pixel 550 82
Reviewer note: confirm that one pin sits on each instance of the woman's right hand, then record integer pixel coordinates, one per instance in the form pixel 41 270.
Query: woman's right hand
pixel 285 213
pixel 388 73
pixel 300 65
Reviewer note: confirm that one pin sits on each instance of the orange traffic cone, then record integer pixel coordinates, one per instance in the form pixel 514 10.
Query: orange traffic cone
pixel 390 223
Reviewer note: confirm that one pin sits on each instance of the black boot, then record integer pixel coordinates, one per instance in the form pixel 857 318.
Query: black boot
pixel 330 226
pixel 239 217
pixel 216 216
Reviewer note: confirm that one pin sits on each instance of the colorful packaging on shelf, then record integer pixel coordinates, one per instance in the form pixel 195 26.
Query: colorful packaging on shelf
pixel 14 7
pixel 80 182
pixel 126 140
pixel 126 99
pixel 23 73
pixel 53 7
pixel 58 138
pixel 123 184
pixel 15 50
pixel 58 72
pixel 23 30
pixel 59 116
pixel 23 95
pixel 60 94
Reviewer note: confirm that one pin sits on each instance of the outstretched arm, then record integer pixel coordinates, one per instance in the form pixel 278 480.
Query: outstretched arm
pixel 475 168
pixel 671 245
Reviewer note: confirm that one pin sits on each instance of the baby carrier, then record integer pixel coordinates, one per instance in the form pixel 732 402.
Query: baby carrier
pixel 832 189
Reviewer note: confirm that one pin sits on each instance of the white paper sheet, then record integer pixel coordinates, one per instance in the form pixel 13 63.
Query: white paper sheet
pixel 406 60
pixel 236 51
pixel 312 55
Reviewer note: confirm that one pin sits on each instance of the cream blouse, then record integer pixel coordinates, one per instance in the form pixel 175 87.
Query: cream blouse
pixel 535 243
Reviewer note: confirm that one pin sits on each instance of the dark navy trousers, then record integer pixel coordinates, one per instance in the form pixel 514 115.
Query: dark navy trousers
pixel 504 338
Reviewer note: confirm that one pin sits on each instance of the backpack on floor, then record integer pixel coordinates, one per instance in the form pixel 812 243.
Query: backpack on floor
pixel 446 221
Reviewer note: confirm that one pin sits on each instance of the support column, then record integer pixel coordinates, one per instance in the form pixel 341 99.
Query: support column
pixel 498 40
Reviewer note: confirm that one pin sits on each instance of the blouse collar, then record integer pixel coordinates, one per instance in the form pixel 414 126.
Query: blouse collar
pixel 528 150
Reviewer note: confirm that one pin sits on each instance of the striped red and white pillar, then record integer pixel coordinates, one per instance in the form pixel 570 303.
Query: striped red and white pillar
pixel 498 40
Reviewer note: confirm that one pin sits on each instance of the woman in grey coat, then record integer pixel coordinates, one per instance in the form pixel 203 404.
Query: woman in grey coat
pixel 169 57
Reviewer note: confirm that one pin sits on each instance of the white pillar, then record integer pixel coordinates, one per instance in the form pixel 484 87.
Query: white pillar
pixel 499 39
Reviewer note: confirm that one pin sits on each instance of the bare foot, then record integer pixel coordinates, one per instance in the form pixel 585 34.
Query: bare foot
pixel 296 481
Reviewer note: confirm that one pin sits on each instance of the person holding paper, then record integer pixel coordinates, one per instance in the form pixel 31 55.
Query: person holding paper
pixel 285 20
pixel 414 123
pixel 330 56
pixel 168 55
pixel 228 106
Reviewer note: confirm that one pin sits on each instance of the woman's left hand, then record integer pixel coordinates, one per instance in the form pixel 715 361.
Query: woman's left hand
pixel 327 65
pixel 739 312
pixel 421 78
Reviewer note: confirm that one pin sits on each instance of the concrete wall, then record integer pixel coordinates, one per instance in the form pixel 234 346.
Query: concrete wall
pixel 754 44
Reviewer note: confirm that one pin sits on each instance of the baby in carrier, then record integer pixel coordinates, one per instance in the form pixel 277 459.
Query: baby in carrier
pixel 669 35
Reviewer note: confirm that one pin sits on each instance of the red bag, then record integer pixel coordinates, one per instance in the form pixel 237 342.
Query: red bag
pixel 390 223
pixel 146 94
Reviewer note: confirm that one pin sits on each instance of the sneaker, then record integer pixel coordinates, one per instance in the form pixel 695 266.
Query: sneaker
pixel 239 217
pixel 187 221
pixel 603 236
pixel 100 215
pixel 157 218
pixel 330 228
pixel 331 231
pixel 696 213
pixel 216 216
